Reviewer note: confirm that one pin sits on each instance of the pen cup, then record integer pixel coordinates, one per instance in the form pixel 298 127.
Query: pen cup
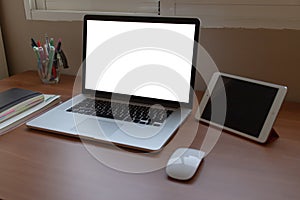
pixel 48 70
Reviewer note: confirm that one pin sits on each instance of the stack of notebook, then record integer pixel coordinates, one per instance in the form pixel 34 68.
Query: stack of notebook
pixel 16 104
pixel 16 100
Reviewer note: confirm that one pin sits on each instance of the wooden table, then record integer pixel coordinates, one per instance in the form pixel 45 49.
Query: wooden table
pixel 40 165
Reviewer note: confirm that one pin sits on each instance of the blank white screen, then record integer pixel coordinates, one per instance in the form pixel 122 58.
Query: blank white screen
pixel 98 32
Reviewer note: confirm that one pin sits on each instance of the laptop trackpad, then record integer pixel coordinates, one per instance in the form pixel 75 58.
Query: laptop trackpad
pixel 96 128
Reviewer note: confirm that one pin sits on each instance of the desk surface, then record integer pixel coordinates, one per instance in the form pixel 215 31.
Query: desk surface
pixel 39 165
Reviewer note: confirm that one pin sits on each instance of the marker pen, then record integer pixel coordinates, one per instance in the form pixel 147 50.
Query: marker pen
pixel 50 62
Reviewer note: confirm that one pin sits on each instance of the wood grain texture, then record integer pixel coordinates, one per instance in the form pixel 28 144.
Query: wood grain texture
pixel 39 165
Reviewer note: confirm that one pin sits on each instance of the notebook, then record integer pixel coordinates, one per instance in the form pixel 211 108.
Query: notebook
pixel 16 100
pixel 138 75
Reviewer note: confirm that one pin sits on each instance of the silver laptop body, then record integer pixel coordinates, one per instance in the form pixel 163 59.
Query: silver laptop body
pixel 129 60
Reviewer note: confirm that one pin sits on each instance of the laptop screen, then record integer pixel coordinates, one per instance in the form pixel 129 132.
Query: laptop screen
pixel 147 57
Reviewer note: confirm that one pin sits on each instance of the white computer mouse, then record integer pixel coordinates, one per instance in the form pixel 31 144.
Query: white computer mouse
pixel 184 163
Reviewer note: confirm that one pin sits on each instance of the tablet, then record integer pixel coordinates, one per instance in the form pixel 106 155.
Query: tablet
pixel 241 105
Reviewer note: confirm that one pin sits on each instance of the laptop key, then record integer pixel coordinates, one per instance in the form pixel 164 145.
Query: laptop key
pixel 123 112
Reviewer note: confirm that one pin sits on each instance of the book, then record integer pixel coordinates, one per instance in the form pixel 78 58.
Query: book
pixel 17 120
pixel 16 100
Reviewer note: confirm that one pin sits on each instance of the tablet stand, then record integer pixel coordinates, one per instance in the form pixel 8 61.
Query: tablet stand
pixel 273 136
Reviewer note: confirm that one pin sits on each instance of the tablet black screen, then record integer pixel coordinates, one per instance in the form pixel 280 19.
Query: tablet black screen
pixel 248 104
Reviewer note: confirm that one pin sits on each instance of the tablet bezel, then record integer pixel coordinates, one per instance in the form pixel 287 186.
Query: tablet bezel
pixel 273 112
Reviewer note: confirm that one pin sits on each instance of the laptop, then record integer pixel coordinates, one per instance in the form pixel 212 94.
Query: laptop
pixel 138 76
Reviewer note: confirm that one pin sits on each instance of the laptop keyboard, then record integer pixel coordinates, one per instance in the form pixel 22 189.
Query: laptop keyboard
pixel 120 111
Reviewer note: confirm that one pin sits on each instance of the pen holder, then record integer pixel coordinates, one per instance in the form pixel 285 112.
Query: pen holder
pixel 49 70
